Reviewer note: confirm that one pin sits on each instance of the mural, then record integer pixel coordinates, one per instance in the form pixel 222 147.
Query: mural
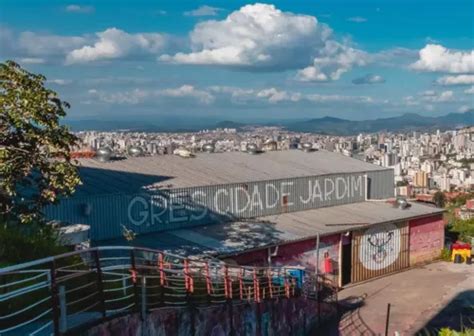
pixel 304 254
pixel 381 249
pixel 379 246
pixel 284 317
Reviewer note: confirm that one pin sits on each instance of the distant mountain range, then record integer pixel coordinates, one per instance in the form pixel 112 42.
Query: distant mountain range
pixel 325 125
pixel 337 126
pixel 406 122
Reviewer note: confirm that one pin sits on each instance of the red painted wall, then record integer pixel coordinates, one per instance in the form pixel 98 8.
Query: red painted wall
pixel 298 254
pixel 426 239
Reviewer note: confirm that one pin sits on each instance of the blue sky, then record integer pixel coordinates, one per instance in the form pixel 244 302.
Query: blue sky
pixel 244 60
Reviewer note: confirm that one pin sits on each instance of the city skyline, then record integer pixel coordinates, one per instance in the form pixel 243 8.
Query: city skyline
pixel 245 60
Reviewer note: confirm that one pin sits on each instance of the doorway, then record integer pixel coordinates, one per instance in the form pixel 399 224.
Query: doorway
pixel 346 258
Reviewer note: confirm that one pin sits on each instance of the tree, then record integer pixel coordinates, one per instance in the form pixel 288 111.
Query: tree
pixel 35 163
pixel 439 199
pixel 402 183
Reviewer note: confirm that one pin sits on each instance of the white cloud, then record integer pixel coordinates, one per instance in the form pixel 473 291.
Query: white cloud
pixel 437 97
pixel 456 80
pixel 79 9
pixel 115 43
pixel 132 97
pixel 255 36
pixel 429 97
pixel 188 94
pixel 262 36
pixel 410 101
pixel 357 19
pixel 431 40
pixel 318 98
pixel 332 61
pixel 398 57
pixel 369 79
pixel 237 95
pixel 138 96
pixel 109 44
pixel 32 60
pixel 274 96
pixel 436 58
pixel 188 91
pixel 465 108
pixel 35 44
pixel 59 81
pixel 470 90
pixel 204 11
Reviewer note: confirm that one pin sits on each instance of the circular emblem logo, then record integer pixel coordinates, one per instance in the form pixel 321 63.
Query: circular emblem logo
pixel 379 246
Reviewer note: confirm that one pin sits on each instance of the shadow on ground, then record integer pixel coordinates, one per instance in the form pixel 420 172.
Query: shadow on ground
pixel 348 321
pixel 457 314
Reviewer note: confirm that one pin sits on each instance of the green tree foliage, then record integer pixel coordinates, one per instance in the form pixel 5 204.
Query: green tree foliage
pixel 461 199
pixel 35 163
pixel 402 183
pixel 16 246
pixel 439 199
pixel 465 229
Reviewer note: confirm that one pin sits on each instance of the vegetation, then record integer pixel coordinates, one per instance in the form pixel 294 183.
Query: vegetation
pixel 446 254
pixel 461 199
pixel 439 199
pixel 36 168
pixel 463 228
pixel 17 246
pixel 466 162
pixel 402 183
pixel 450 332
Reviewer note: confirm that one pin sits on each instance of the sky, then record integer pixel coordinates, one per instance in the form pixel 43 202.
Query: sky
pixel 245 61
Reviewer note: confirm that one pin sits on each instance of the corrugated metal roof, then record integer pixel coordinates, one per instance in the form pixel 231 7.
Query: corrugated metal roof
pixel 170 171
pixel 232 238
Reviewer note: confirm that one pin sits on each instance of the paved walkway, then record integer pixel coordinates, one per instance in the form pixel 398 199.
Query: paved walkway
pixel 432 295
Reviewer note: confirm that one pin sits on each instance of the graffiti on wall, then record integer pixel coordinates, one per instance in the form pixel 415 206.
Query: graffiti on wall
pixel 283 317
pixel 380 246
pixel 328 249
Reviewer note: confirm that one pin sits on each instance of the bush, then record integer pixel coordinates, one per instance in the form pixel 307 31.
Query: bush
pixel 450 332
pixel 19 244
pixel 465 229
pixel 446 254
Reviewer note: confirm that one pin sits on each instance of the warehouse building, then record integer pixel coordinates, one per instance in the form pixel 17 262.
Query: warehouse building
pixel 300 209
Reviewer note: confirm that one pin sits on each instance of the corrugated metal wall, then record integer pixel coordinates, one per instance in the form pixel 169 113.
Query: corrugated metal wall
pixel 379 250
pixel 381 184
pixel 160 210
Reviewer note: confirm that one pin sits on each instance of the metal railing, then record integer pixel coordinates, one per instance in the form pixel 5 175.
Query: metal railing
pixel 58 294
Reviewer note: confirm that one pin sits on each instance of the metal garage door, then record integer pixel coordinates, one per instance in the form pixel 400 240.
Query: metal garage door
pixel 379 250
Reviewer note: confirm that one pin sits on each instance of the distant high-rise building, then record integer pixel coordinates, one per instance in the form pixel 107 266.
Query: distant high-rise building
pixel 421 179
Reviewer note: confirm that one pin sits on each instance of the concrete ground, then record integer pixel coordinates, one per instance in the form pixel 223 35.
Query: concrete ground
pixel 427 297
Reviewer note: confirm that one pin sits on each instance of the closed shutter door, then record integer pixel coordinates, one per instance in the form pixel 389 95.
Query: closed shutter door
pixel 378 250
